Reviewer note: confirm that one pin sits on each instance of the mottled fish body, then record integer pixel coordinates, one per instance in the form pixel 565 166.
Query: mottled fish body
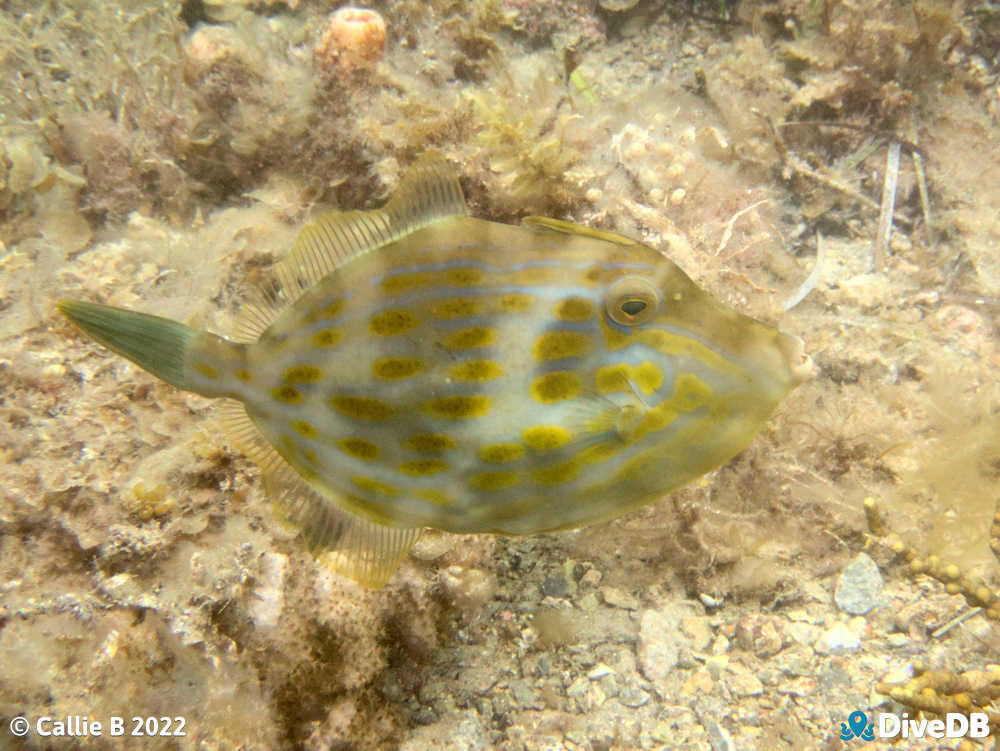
pixel 416 367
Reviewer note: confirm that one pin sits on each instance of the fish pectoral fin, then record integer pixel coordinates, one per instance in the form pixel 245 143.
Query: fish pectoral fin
pixel 352 546
pixel 568 228
pixel 598 417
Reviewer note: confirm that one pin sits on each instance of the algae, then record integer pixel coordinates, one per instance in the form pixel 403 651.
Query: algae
pixel 168 167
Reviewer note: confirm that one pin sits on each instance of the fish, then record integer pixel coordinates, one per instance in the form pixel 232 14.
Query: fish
pixel 415 367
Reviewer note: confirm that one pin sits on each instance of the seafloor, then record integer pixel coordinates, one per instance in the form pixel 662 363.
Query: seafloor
pixel 160 156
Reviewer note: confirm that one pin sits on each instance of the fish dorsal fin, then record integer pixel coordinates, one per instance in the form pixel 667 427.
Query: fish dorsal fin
pixel 355 547
pixel 427 192
pixel 569 228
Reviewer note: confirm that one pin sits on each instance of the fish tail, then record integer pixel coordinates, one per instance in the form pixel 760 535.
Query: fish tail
pixel 184 357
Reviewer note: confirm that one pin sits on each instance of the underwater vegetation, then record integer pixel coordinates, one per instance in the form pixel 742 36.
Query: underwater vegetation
pixel 168 168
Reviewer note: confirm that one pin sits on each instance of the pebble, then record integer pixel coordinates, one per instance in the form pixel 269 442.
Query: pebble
pixel 591 578
pixel 837 639
pixel 798 687
pixel 662 732
pixel 633 696
pixel 745 684
pixel 599 671
pixel 578 687
pixel 697 630
pixel 618 598
pixel 717 735
pixel 859 588
pixel 525 695
pixel 555 586
pixel 589 601
pixel 760 634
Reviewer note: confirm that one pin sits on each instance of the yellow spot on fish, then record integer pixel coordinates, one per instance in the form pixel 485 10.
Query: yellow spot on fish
pixel 303 374
pixel 464 277
pixel 493 480
pixel 612 378
pixel 287 394
pixel 647 376
pixel 469 338
pixel 404 282
pixel 361 407
pixel 556 474
pixel 538 275
pixel 203 368
pixel 423 467
pixel 515 302
pixel 429 443
pixel 556 386
pixel 599 452
pixel 434 497
pixel 575 309
pixel 374 487
pixel 328 312
pixel 325 338
pixel 392 322
pixel 501 453
pixel 622 376
pixel 638 465
pixel 690 392
pixel 359 448
pixel 311 457
pixel 396 368
pixel 305 429
pixel 457 307
pixel 458 407
pixel 554 345
pixel 546 437
pixel 476 371
pixel 600 274
pixel 244 375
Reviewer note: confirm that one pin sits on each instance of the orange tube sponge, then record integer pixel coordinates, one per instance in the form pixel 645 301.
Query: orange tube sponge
pixel 351 39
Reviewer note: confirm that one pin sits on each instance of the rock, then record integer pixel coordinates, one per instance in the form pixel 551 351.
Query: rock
pixel 525 695
pixel 633 696
pixel 617 598
pixel 745 684
pixel 658 647
pixel 717 735
pixel 599 671
pixel 591 578
pixel 760 634
pixel 698 631
pixel 555 586
pixel 837 639
pixel 462 731
pixel 269 597
pixel 859 588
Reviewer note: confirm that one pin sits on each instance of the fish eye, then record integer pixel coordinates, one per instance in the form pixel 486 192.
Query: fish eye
pixel 633 307
pixel 632 300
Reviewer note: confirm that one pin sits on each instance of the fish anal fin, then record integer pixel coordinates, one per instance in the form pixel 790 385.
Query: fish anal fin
pixel 353 546
pixel 569 228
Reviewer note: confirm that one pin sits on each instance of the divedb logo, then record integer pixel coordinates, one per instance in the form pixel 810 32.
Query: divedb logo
pixel 954 725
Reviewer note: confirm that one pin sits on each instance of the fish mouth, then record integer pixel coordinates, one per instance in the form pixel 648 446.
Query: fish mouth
pixel 800 365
